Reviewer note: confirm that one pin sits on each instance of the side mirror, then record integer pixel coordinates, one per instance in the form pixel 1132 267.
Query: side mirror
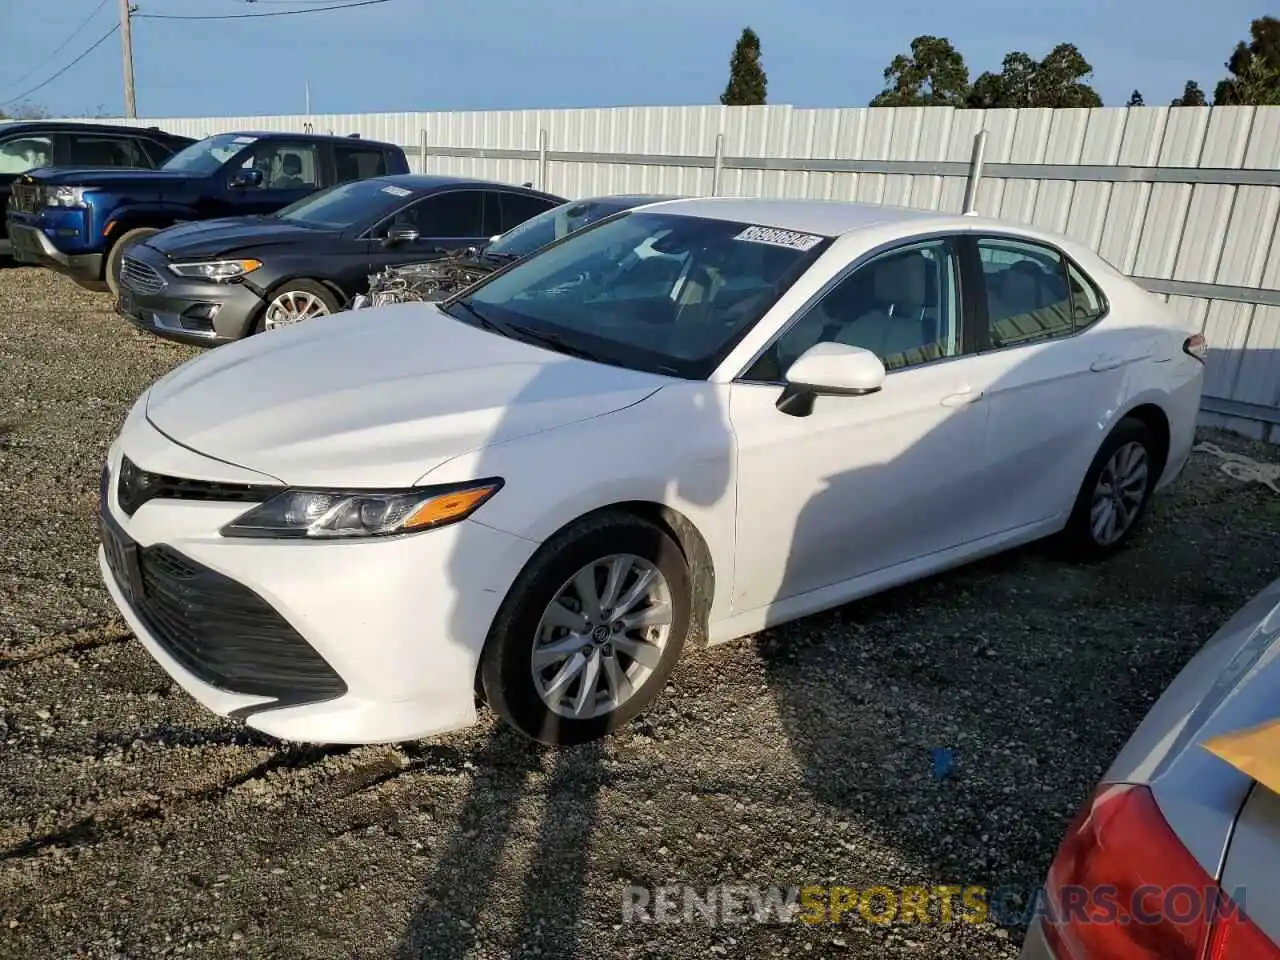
pixel 399 234
pixel 495 238
pixel 834 369
pixel 246 179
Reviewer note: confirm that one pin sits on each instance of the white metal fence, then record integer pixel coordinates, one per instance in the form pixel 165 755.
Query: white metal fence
pixel 1186 200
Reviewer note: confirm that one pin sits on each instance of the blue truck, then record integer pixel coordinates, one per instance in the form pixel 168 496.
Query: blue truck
pixel 79 221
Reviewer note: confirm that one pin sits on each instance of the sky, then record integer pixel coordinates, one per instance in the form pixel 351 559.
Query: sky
pixel 419 55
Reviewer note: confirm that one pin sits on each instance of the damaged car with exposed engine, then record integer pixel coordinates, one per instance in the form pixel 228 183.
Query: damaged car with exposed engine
pixel 217 281
pixel 442 277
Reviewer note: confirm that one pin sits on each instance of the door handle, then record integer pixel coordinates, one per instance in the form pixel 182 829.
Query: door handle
pixel 963 398
pixel 1106 363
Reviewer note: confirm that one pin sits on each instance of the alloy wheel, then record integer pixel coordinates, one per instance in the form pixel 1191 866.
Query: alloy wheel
pixel 291 307
pixel 1119 493
pixel 602 636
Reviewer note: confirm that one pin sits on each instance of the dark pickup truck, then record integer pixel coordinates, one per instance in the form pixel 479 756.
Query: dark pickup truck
pixel 79 221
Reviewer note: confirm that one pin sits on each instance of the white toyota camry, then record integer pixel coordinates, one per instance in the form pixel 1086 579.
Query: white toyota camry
pixel 692 420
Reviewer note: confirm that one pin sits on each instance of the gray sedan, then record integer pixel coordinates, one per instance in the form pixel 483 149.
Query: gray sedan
pixel 1177 853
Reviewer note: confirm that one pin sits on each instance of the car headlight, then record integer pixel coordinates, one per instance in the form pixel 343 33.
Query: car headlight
pixel 58 196
pixel 216 270
pixel 338 514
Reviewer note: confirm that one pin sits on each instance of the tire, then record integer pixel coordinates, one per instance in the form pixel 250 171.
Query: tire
pixel 522 696
pixel 115 256
pixel 1132 440
pixel 300 292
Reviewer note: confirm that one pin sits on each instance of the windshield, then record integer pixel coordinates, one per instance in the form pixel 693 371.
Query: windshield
pixel 207 155
pixel 536 232
pixel 650 291
pixel 347 204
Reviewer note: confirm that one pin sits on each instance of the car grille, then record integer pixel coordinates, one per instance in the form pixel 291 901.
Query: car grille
pixel 136 486
pixel 24 197
pixel 227 635
pixel 140 277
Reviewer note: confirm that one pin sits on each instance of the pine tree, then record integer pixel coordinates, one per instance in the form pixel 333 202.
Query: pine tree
pixel 747 80
pixel 1135 100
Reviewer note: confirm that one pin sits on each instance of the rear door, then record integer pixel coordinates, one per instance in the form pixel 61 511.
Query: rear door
pixel 1038 368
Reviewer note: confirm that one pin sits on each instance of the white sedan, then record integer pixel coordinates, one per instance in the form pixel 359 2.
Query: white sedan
pixel 685 423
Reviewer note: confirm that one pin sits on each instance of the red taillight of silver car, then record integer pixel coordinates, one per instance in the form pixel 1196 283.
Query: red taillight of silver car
pixel 1124 887
pixel 1196 346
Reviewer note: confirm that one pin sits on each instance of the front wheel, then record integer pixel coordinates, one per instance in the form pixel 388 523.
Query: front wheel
pixel 1115 493
pixel 589 632
pixel 295 301
pixel 115 256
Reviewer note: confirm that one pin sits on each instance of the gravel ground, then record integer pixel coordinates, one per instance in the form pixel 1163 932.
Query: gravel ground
pixel 135 824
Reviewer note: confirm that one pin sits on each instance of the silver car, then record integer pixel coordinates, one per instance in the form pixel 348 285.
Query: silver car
pixel 1177 853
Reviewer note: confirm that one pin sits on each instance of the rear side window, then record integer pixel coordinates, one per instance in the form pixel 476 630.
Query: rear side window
pixel 458 214
pixel 98 150
pixel 359 163
pixel 1087 303
pixel 1028 295
pixel 516 208
pixel 20 154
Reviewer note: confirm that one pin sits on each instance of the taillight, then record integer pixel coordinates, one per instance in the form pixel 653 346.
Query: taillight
pixel 1123 886
pixel 1196 346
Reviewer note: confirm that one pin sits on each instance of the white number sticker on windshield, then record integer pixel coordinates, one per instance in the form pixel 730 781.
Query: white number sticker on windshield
pixel 245 140
pixel 397 191
pixel 779 238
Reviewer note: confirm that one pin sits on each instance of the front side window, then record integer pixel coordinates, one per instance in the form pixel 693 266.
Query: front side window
pixel 903 306
pixel 453 215
pixel 208 155
pixel 20 154
pixel 96 150
pixel 659 292
pixel 285 166
pixel 1028 296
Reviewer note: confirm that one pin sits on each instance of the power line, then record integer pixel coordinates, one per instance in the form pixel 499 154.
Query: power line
pixel 253 16
pixel 60 47
pixel 44 83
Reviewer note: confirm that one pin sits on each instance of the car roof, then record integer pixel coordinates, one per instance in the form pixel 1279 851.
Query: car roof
pixel 436 181
pixel 828 218
pixel 292 135
pixel 72 126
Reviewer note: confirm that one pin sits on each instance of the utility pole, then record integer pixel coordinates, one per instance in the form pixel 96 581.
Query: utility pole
pixel 126 42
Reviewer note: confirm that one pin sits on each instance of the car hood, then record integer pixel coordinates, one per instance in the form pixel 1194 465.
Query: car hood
pixel 109 176
pixel 211 238
pixel 379 397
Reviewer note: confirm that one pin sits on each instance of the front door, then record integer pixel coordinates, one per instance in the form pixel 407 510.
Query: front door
pixel 861 483
pixel 290 171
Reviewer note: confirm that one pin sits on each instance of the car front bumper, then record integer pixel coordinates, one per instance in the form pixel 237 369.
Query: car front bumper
pixel 192 311
pixel 31 245
pixel 322 642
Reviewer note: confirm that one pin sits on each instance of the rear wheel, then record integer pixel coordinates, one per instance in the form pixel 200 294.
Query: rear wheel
pixel 115 256
pixel 1115 493
pixel 295 301
pixel 589 632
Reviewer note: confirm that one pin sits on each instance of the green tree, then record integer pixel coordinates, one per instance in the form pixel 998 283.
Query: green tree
pixel 934 75
pixel 747 80
pixel 25 111
pixel 1056 81
pixel 1192 96
pixel 1135 99
pixel 1254 68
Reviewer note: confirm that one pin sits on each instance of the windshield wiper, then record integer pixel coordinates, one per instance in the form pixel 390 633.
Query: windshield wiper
pixel 554 341
pixel 500 257
pixel 482 319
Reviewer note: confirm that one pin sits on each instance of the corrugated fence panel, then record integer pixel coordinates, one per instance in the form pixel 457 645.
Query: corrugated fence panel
pixel 1210 231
